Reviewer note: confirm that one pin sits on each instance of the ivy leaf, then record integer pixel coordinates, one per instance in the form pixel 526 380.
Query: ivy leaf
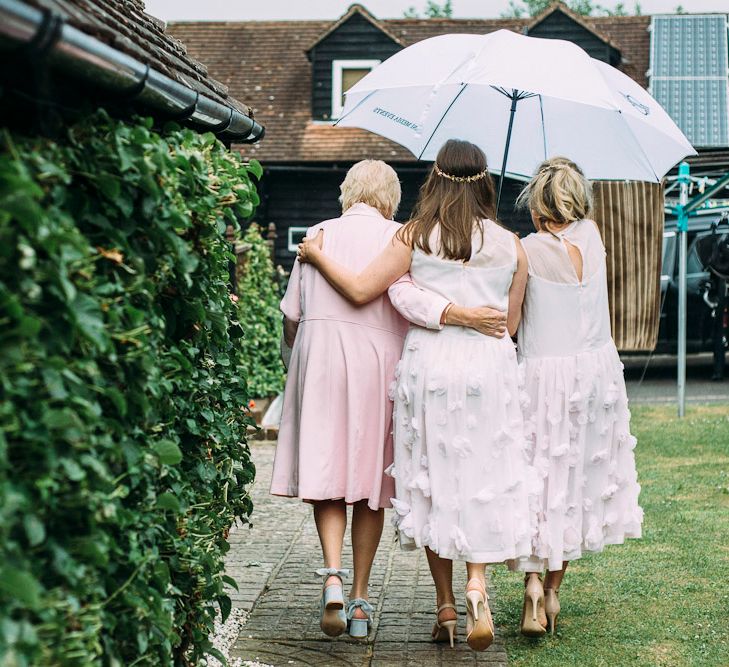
pixel 168 501
pixel 225 607
pixel 89 318
pixel 168 451
pixel 254 166
pixel 231 582
pixel 109 185
pixel 217 654
pixel 21 586
pixel 34 529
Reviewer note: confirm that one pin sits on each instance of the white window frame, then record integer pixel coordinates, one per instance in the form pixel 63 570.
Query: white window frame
pixel 293 247
pixel 338 66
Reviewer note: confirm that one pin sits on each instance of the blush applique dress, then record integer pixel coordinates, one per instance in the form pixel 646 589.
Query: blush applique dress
pixel 577 418
pixel 461 475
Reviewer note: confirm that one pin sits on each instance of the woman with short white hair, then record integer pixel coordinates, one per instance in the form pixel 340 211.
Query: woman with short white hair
pixel 335 437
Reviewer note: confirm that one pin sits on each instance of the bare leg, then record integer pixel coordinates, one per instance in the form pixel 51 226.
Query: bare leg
pixel 554 578
pixel 477 571
pixel 479 624
pixel 366 532
pixel 441 569
pixel 552 582
pixel 330 517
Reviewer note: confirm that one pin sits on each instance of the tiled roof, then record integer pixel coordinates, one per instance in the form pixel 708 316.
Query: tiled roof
pixel 124 25
pixel 266 61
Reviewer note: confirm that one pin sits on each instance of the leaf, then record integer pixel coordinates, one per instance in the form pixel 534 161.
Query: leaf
pixel 211 650
pixel 231 582
pixel 254 166
pixel 110 186
pixel 74 471
pixel 34 529
pixel 168 451
pixel 89 319
pixel 113 255
pixel 21 586
pixel 168 501
pixel 226 607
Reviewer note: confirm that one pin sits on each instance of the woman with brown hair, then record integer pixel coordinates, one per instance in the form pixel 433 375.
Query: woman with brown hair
pixel 460 470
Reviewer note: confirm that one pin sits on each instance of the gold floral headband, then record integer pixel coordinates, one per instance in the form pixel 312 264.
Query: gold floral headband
pixel 460 179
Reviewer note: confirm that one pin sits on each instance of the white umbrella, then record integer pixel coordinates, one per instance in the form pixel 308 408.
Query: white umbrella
pixel 519 97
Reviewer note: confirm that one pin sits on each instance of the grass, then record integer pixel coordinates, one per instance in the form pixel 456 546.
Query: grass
pixel 662 601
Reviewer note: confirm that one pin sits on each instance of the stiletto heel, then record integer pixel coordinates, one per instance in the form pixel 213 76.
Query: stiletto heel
pixel 444 630
pixel 552 607
pixel 479 625
pixel 473 600
pixel 533 601
pixel 331 607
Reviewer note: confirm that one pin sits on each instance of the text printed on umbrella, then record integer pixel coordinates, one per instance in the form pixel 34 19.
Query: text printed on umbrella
pixel 395 118
pixel 642 108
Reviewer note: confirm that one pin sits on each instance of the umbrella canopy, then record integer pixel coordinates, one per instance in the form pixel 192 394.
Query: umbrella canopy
pixel 547 96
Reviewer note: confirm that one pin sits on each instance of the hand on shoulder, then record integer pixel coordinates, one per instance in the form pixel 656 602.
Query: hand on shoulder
pixel 310 247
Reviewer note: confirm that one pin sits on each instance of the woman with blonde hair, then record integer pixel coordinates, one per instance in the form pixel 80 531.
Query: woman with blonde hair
pixel 460 467
pixel 334 438
pixel 577 417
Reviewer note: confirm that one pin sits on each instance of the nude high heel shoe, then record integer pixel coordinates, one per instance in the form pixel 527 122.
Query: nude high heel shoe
pixel 551 605
pixel 333 619
pixel 479 625
pixel 533 603
pixel 444 630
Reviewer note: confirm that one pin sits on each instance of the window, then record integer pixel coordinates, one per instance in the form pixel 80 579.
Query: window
pixel 345 73
pixel 296 236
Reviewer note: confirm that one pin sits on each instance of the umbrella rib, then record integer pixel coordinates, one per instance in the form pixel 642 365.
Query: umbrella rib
pixel 356 106
pixel 642 150
pixel 544 129
pixel 445 113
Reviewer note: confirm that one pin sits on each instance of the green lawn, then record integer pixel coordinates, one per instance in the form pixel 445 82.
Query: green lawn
pixel 662 601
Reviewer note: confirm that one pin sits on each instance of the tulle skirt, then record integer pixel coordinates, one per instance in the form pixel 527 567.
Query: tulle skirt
pixel 461 473
pixel 578 429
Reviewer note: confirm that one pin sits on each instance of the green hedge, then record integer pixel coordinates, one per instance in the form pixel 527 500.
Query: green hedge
pixel 260 295
pixel 122 444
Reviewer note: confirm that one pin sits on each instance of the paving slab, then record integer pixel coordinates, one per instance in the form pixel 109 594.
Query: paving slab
pixel 273 562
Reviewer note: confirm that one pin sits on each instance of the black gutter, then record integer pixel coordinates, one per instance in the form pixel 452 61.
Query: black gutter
pixel 80 55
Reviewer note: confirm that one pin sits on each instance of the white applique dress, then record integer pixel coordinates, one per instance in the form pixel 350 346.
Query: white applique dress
pixel 577 418
pixel 460 469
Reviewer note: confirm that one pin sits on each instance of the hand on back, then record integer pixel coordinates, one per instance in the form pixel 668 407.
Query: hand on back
pixel 489 321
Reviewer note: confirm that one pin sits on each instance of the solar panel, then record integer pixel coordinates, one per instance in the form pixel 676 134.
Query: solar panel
pixel 689 74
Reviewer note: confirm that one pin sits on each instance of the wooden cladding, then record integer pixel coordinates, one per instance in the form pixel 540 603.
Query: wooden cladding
pixel 355 39
pixel 630 217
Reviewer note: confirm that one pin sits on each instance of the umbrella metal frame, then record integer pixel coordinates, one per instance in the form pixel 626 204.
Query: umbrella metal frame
pixel 515 96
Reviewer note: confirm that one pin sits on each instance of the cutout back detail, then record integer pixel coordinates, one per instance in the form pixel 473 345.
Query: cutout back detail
pixel 575 257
